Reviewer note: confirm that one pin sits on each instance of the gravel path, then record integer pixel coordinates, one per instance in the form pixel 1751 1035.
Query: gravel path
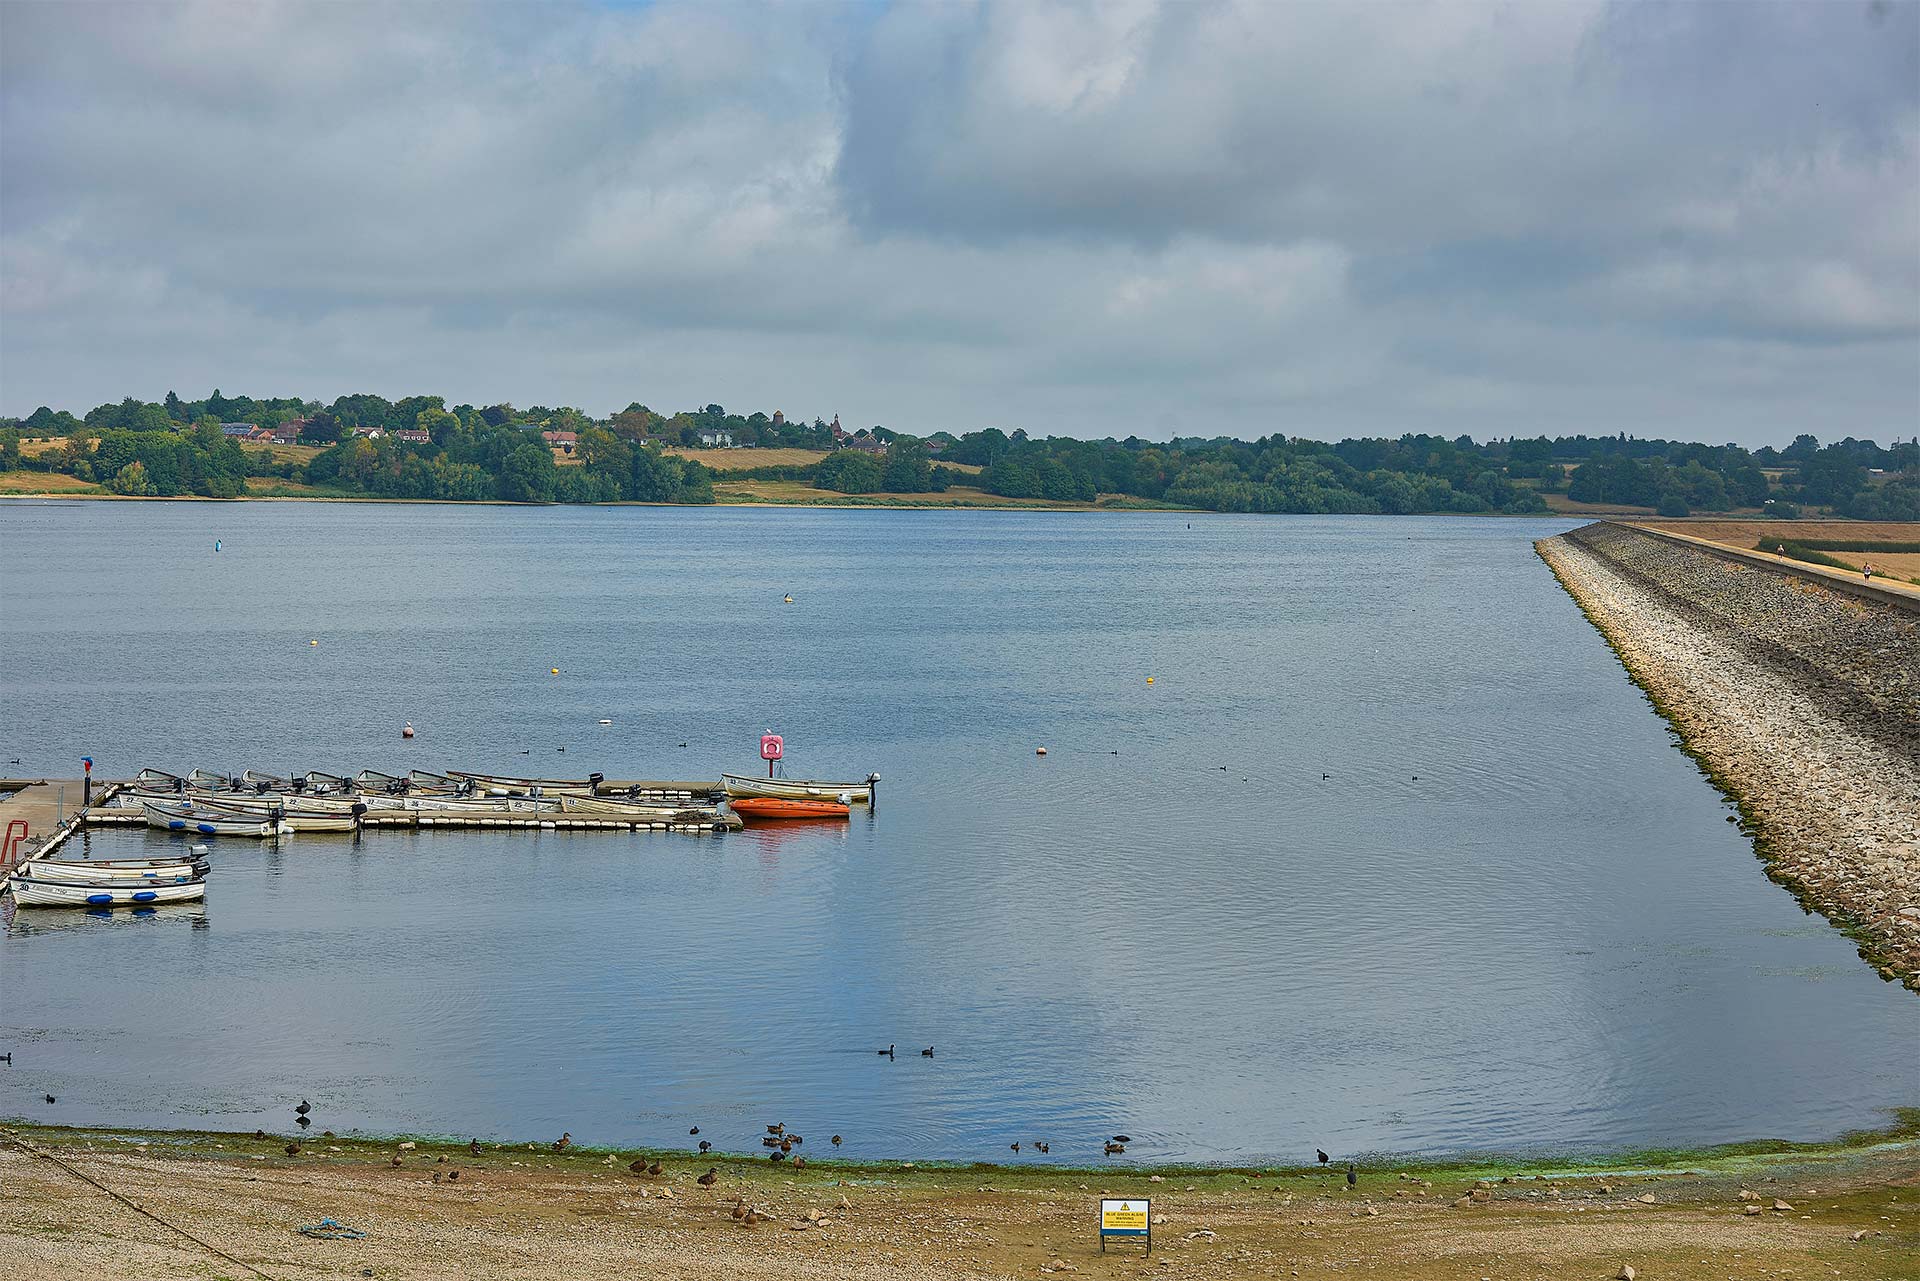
pixel 1803 703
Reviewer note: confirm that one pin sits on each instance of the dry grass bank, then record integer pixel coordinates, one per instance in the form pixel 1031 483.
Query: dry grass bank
pixel 43 482
pixel 799 493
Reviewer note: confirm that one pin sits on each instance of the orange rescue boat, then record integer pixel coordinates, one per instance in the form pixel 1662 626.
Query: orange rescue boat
pixel 762 808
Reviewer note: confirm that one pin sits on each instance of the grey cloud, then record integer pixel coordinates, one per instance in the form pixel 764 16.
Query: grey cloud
pixel 1116 217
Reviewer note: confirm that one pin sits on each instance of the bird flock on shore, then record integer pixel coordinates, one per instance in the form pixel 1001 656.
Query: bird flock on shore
pixel 779 1141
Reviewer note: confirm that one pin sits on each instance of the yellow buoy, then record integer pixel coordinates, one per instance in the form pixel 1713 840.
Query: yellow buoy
pixel 1149 680
pixel 789 600
pixel 556 671
pixel 313 642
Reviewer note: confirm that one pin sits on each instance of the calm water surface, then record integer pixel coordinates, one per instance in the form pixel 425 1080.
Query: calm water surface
pixel 1390 857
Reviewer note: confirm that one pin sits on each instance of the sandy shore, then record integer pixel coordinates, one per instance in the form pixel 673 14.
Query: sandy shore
pixel 1802 702
pixel 529 1212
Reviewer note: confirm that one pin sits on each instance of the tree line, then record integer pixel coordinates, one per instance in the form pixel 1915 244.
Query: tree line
pixel 496 452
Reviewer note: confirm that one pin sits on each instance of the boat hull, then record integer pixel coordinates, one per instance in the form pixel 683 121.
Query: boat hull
pixel 31 891
pixel 797 789
pixel 206 823
pixel 761 809
pixel 112 873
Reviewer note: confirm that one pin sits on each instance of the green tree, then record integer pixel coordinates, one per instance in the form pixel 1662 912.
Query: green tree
pixel 528 475
pixel 849 471
pixel 132 481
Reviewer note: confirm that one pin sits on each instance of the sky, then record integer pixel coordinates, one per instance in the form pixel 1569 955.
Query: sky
pixel 1698 221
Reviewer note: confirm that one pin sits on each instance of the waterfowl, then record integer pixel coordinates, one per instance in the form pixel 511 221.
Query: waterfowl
pixel 694 1130
pixel 638 1167
pixel 1042 1147
pixel 927 1053
pixel 51 1099
pixel 796 1138
pixel 474 1147
pixel 786 1145
pixel 1352 1179
pixel 799 1163
pixel 739 1210
pixel 776 1129
pixel 327 1134
pixel 453 1176
pixel 1015 1146
pixel 564 1142
pixel 303 1121
pixel 654 1169
pixel 303 1108
pixel 705 1146
pixel 1114 1149
pixel 7 1058
pixel 776 1157
pixel 1322 1155
pixel 1123 1138
pixel 259 1134
pixel 293 1149
pixel 395 1161
pixel 836 1140
pixel 886 1053
pixel 708 1179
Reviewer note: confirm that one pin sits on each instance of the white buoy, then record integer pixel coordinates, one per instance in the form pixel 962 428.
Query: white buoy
pixel 407 732
pixel 605 721
pixel 1039 751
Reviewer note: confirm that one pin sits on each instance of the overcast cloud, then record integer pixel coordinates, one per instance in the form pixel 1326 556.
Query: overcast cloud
pixel 1699 220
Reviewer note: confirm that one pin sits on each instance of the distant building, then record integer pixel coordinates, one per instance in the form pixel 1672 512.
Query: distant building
pixel 414 435
pixel 369 433
pixel 712 439
pixel 237 431
pixel 936 447
pixel 563 442
pixel 779 419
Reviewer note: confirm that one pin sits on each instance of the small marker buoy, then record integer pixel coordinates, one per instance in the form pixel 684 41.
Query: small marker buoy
pixel 556 671
pixel 789 600
pixel 1149 680
pixel 407 731
pixel 605 721
pixel 1039 751
pixel 313 642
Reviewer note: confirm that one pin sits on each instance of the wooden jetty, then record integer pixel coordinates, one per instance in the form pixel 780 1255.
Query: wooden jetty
pixel 52 811
pixel 51 808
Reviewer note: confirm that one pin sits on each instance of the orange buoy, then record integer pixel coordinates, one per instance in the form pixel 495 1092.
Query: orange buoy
pixel 408 731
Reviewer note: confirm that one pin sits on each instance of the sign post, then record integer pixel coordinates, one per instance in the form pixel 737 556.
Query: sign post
pixel 1126 1218
pixel 86 796
pixel 771 750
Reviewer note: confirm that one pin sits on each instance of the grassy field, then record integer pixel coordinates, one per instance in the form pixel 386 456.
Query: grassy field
pixel 439 1210
pixel 1745 534
pixel 286 453
pixel 747 459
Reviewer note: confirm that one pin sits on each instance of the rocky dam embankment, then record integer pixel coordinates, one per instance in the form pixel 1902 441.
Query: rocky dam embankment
pixel 1802 703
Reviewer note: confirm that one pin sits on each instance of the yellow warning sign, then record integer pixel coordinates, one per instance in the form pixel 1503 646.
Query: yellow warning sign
pixel 1123 1218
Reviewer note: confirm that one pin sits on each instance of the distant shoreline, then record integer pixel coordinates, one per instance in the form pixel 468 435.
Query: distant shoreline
pixel 1130 508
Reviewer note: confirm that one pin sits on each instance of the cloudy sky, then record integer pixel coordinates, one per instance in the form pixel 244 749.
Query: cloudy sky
pixel 1697 220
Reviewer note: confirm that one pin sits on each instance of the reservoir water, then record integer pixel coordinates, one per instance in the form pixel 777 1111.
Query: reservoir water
pixel 1389 857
